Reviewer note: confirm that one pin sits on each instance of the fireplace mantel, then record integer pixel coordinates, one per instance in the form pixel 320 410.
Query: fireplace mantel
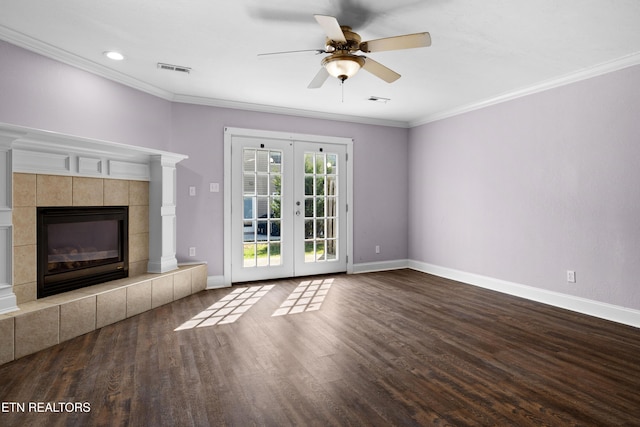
pixel 28 150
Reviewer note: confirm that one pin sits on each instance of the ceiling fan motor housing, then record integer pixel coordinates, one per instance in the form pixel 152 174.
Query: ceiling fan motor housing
pixel 352 44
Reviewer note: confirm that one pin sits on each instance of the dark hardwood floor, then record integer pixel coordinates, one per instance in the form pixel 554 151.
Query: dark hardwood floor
pixel 390 348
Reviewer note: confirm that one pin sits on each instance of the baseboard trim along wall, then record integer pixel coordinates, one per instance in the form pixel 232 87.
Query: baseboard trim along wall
pixel 614 313
pixel 602 310
pixel 370 267
pixel 217 282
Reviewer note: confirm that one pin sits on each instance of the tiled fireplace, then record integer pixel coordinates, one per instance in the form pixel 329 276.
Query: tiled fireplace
pixel 35 190
pixel 41 169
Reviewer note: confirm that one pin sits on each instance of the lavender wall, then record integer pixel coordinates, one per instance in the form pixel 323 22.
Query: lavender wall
pixel 41 93
pixel 380 179
pixel 45 94
pixel 525 190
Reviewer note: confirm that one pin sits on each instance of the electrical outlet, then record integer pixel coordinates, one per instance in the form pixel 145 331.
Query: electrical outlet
pixel 377 249
pixel 192 191
pixel 214 187
pixel 192 251
pixel 571 276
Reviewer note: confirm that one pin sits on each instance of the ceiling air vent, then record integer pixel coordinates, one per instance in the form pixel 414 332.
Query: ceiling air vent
pixel 379 99
pixel 177 68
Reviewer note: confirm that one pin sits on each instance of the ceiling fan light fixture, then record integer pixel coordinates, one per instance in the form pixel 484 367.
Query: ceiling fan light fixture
pixel 343 66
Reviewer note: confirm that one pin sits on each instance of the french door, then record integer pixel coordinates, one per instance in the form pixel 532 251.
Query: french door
pixel 288 208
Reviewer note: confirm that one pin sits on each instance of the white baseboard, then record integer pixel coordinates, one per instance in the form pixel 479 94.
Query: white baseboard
pixel 614 313
pixel 602 310
pixel 217 282
pixel 370 267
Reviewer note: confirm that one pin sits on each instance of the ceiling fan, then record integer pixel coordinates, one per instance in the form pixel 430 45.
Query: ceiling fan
pixel 343 44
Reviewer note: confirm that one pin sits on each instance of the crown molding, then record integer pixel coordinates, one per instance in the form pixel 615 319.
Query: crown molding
pixel 61 55
pixel 584 74
pixel 263 108
pixel 50 51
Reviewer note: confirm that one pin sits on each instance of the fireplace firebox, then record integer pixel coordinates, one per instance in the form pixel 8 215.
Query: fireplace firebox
pixel 81 246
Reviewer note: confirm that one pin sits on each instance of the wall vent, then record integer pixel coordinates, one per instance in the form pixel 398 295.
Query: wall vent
pixel 177 68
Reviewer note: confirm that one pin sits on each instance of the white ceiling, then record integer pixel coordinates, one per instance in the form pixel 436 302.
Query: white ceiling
pixel 482 51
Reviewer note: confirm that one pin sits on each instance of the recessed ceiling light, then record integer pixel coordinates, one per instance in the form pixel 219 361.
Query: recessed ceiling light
pixel 116 56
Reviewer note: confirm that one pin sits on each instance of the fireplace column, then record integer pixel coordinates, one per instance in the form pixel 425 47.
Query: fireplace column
pixel 162 214
pixel 7 297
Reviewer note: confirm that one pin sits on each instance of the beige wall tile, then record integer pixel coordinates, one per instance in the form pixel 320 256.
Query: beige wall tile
pixel 111 307
pixel 88 191
pixel 199 278
pixel 138 268
pixel 52 190
pixel 77 318
pixel 24 189
pixel 26 292
pixel 138 247
pixel 36 330
pixel 6 339
pixel 24 264
pixel 182 284
pixel 138 219
pixel 138 298
pixel 116 192
pixel 24 226
pixel 31 190
pixel 138 193
pixel 161 291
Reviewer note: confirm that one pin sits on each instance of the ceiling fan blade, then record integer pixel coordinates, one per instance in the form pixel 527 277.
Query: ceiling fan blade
pixel 380 71
pixel 408 41
pixel 331 27
pixel 291 52
pixel 319 79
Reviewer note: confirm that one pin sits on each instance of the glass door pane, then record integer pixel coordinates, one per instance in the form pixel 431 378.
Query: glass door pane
pixel 320 199
pixel 324 204
pixel 262 192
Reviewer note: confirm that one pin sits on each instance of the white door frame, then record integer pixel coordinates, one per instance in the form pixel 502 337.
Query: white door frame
pixel 230 133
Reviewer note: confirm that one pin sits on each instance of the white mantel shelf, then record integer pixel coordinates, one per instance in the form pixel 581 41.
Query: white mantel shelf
pixel 29 150
pixel 37 151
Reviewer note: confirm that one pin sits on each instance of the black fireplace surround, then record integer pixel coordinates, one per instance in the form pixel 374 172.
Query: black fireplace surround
pixel 81 246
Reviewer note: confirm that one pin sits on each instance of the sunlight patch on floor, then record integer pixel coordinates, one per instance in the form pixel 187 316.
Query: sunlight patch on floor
pixel 228 309
pixel 308 296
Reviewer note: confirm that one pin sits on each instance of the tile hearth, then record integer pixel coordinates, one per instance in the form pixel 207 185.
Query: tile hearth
pixel 52 320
